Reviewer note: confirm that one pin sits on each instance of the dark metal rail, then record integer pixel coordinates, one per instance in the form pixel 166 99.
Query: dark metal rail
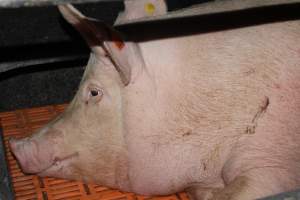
pixel 29 3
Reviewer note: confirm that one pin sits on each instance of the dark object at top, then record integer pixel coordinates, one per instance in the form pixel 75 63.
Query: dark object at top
pixel 28 3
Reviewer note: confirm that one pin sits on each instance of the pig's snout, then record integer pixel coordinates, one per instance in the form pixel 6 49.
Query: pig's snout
pixel 32 157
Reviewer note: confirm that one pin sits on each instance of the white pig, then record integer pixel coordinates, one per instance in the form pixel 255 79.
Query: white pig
pixel 215 114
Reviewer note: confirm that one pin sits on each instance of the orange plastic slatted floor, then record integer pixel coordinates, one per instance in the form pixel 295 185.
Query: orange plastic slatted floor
pixel 27 187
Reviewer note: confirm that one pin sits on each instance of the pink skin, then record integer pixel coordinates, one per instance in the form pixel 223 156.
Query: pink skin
pixel 207 112
pixel 41 154
pixel 32 155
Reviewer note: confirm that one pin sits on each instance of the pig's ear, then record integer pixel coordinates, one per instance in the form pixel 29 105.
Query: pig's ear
pixel 104 40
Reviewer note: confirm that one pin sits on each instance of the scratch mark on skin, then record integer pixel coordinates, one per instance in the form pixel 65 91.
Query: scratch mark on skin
pixel 251 128
pixel 186 133
pixel 204 166
pixel 251 71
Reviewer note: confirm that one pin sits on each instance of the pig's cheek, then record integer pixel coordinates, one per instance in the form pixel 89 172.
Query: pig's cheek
pixel 61 169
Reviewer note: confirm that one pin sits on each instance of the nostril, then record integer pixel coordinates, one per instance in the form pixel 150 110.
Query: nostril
pixel 32 155
pixel 14 144
pixel 29 156
pixel 17 149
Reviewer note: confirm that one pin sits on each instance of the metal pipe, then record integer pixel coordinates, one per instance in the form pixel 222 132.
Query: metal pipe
pixel 6 66
pixel 30 3
pixel 212 7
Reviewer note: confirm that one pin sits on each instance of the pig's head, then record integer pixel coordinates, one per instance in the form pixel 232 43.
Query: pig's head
pixel 86 142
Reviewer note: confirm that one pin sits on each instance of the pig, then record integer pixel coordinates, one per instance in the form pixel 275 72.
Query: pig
pixel 214 114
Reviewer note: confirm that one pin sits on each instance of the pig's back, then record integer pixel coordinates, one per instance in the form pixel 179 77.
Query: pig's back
pixel 215 79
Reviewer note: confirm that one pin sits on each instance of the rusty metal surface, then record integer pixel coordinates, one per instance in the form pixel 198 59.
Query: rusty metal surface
pixel 29 3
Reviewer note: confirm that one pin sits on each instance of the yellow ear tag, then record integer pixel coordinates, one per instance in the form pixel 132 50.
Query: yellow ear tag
pixel 149 8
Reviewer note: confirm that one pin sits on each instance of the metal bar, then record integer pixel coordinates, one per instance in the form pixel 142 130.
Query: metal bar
pixel 214 7
pixel 6 66
pixel 30 3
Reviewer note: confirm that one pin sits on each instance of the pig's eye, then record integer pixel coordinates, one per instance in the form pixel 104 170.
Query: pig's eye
pixel 94 94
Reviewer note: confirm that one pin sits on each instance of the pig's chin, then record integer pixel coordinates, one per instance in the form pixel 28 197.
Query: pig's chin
pixel 59 168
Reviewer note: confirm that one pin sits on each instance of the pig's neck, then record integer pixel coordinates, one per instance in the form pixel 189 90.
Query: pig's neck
pixel 163 138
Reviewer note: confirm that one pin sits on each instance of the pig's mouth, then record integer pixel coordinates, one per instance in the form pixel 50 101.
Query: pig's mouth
pixel 59 166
